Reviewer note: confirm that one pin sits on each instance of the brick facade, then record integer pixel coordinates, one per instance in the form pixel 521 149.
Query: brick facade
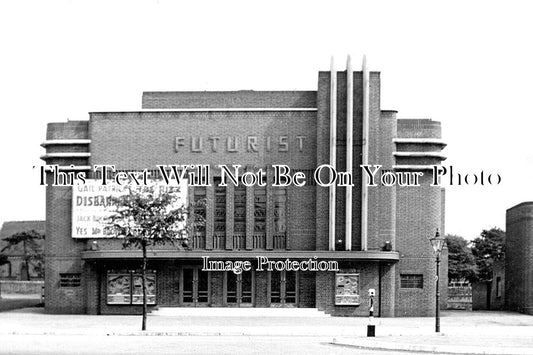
pixel 256 130
pixel 519 258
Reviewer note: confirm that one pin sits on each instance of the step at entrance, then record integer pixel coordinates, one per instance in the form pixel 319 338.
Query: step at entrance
pixel 237 312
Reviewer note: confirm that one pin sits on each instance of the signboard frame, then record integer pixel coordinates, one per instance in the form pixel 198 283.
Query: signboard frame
pixel 347 289
pixel 91 204
pixel 124 287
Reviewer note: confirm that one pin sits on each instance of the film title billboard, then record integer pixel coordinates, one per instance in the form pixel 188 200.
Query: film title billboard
pixel 92 204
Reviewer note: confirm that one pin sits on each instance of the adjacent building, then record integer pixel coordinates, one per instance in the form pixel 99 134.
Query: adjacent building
pixel 376 235
pixel 518 278
pixel 16 267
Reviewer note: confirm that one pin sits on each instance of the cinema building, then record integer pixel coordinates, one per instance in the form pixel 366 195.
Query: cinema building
pixel 376 235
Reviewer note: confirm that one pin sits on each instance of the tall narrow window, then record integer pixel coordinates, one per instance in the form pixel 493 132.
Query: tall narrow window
pixel 280 208
pixel 220 208
pixel 199 210
pixel 260 201
pixel 239 214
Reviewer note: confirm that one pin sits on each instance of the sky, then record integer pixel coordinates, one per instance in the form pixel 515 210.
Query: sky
pixel 464 63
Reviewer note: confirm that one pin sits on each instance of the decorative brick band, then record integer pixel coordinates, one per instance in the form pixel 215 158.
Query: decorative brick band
pixel 419 141
pixel 66 155
pixel 65 142
pixel 419 154
pixel 238 109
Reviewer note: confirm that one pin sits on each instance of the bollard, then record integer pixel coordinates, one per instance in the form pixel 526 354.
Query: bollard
pixel 371 328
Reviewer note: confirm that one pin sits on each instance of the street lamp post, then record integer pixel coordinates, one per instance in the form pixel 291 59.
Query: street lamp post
pixel 437 242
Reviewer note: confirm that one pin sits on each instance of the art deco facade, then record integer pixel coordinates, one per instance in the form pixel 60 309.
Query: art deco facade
pixel 377 235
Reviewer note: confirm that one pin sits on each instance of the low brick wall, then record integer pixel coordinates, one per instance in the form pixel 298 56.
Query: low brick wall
pixel 21 287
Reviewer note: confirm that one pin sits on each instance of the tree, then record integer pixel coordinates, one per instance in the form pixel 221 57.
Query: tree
pixel 487 248
pixel 31 249
pixel 461 262
pixel 145 219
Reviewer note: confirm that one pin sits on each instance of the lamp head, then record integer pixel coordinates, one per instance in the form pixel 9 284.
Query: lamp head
pixel 437 242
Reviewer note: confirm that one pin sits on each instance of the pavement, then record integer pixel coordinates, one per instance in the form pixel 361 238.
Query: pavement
pixel 462 332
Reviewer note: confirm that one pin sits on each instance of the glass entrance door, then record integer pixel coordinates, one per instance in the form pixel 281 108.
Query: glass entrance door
pixel 283 289
pixel 194 287
pixel 239 289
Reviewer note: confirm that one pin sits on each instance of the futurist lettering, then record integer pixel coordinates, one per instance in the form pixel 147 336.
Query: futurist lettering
pixel 234 144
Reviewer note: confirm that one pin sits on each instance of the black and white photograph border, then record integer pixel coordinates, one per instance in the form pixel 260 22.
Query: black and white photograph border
pixel 332 177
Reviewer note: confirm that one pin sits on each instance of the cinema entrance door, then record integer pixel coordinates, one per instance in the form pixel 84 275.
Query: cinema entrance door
pixel 283 289
pixel 239 289
pixel 194 290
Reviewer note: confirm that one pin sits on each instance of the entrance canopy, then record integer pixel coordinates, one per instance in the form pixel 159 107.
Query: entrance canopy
pixel 386 256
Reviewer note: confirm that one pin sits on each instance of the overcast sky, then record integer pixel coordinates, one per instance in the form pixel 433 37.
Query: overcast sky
pixel 467 64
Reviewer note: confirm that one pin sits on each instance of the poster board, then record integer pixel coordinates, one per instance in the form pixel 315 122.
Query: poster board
pixel 347 289
pixel 92 205
pixel 125 288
